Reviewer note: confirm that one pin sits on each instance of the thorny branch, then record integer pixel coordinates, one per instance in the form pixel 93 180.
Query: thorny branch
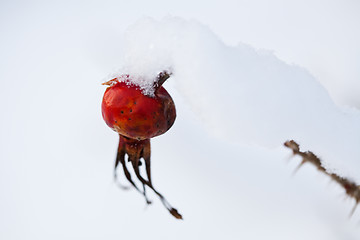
pixel 351 188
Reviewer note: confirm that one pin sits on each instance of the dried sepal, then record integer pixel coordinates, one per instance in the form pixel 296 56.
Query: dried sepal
pixel 160 79
pixel 136 150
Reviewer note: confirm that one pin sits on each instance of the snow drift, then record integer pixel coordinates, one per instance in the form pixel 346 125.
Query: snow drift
pixel 243 94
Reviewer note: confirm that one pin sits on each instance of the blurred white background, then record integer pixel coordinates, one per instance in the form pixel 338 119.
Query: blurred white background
pixel 56 153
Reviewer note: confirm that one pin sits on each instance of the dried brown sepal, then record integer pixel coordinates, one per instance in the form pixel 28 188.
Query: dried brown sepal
pixel 351 188
pixel 137 149
pixel 160 79
pixel 175 213
pixel 111 82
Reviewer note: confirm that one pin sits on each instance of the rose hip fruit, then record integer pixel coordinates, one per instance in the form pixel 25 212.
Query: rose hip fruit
pixel 137 117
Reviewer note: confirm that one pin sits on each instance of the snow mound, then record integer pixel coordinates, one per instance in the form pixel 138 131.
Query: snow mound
pixel 243 94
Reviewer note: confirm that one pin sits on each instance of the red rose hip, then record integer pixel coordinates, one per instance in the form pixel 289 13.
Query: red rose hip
pixel 137 117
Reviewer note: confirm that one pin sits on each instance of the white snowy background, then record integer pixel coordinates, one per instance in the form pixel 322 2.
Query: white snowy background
pixel 248 75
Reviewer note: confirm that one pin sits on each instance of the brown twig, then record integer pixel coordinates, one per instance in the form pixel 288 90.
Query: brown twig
pixel 351 188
